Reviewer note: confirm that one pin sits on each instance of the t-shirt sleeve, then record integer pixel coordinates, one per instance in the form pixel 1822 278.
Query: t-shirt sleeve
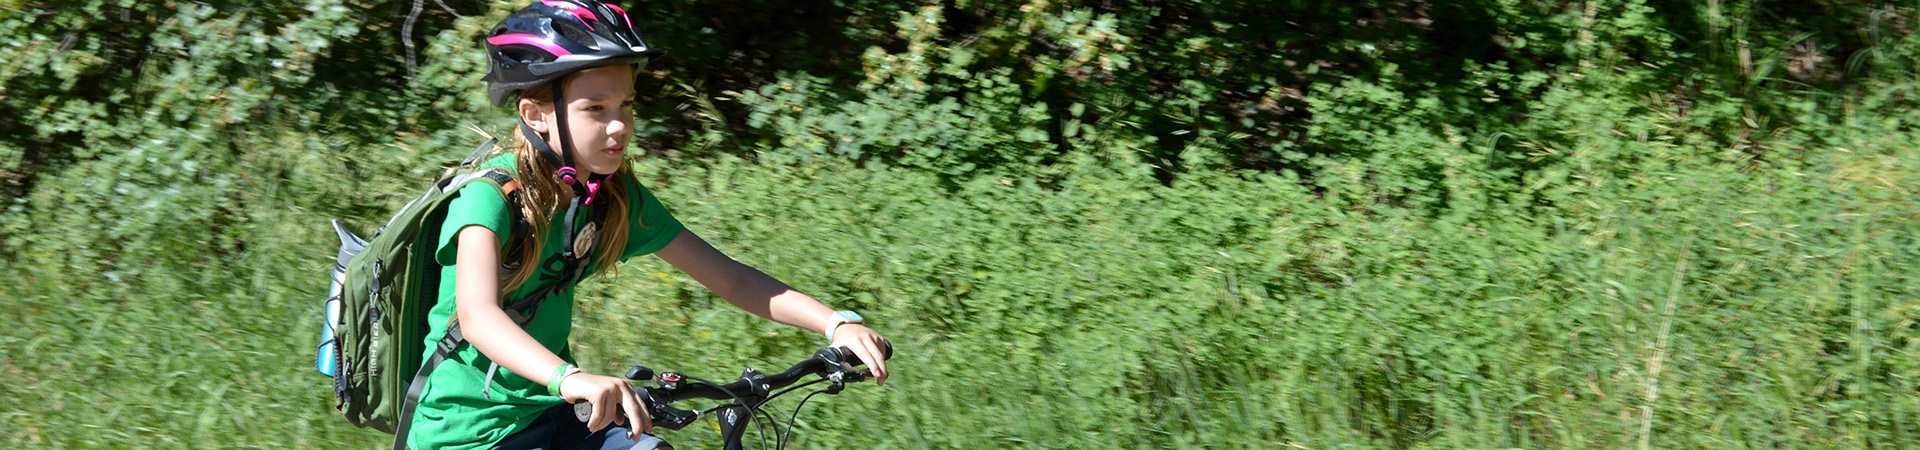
pixel 477 203
pixel 649 227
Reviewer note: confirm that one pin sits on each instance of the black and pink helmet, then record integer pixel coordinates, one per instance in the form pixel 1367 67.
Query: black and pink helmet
pixel 549 39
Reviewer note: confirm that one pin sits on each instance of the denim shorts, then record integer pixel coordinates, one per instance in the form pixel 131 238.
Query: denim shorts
pixel 557 429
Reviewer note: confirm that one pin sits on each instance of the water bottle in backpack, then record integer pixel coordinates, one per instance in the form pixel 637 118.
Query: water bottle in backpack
pixel 327 358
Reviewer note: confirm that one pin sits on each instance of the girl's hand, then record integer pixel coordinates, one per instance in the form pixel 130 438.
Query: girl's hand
pixel 866 344
pixel 605 394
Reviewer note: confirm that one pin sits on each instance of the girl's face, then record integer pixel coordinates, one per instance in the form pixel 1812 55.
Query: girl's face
pixel 599 108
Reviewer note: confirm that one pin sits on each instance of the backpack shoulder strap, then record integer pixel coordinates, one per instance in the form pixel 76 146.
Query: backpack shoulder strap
pixel 509 188
pixel 501 179
pixel 444 347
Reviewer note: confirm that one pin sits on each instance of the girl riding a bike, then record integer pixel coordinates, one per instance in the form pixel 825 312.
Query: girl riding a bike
pixel 574 209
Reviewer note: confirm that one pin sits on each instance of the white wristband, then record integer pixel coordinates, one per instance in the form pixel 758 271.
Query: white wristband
pixel 840 318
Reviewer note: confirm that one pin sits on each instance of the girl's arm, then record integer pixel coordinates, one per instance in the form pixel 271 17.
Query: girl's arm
pixel 752 290
pixel 476 297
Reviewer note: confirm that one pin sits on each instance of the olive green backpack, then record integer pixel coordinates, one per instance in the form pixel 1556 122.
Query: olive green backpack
pixel 381 291
pixel 377 304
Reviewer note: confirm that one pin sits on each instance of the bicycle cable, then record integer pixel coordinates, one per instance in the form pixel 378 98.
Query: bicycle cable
pixel 763 429
pixel 781 444
pixel 791 389
pixel 781 441
pixel 752 410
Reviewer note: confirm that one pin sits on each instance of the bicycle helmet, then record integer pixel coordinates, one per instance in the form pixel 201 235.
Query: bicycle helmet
pixel 549 39
pixel 541 44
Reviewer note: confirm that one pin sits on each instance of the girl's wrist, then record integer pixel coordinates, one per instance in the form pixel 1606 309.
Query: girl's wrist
pixel 559 375
pixel 841 318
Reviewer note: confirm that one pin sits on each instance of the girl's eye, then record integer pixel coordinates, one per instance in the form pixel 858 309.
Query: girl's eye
pixel 595 108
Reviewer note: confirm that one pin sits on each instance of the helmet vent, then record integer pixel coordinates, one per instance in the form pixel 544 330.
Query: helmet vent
pixel 574 33
pixel 524 53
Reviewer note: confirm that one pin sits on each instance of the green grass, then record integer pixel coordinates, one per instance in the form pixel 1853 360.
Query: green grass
pixel 1680 301
pixel 1666 297
pixel 1619 254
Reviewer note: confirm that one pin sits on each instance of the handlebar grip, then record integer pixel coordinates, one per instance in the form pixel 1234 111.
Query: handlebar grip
pixel 846 355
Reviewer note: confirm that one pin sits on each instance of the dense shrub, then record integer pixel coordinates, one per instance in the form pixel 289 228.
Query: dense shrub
pixel 1126 223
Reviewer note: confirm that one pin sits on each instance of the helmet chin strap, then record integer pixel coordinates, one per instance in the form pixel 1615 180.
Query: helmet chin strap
pixel 563 160
pixel 583 190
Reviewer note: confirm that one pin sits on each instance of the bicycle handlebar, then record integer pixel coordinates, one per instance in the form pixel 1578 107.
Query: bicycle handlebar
pixel 827 362
pixel 832 363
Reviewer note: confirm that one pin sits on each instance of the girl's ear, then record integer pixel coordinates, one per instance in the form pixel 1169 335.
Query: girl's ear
pixel 534 115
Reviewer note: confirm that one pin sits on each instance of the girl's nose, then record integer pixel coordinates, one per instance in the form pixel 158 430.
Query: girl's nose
pixel 619 127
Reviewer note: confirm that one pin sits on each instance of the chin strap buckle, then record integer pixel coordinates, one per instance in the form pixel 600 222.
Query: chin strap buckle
pixel 593 189
pixel 570 176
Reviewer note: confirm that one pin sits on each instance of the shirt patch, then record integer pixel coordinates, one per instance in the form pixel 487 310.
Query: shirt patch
pixel 584 242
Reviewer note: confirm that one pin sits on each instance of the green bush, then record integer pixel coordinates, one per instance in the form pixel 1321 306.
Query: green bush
pixel 1151 224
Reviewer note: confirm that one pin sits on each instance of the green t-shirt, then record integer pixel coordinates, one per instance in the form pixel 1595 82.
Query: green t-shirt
pixel 454 411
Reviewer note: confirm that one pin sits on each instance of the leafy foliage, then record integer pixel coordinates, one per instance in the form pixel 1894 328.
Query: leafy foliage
pixel 1616 223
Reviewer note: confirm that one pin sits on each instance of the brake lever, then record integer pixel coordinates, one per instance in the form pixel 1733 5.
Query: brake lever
pixel 846 375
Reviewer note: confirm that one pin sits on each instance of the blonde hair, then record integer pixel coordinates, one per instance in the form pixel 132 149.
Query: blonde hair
pixel 542 195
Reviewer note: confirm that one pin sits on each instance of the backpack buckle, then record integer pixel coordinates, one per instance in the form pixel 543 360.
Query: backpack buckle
pixel 451 340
